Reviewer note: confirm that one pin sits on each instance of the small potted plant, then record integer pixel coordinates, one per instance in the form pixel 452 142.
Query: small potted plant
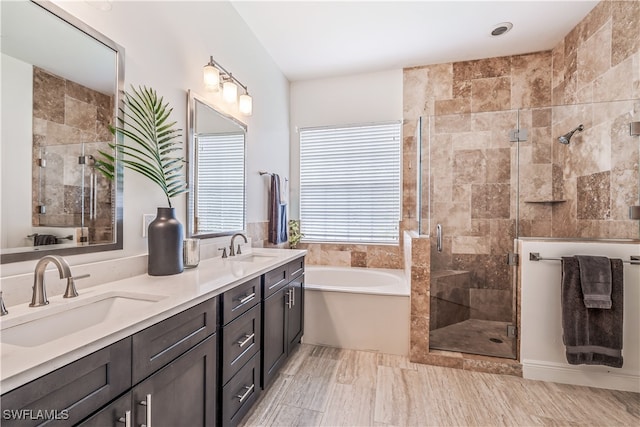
pixel 152 144
pixel 294 233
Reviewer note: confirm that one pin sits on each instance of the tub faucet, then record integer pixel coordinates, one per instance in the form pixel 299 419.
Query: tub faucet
pixel 39 297
pixel 232 251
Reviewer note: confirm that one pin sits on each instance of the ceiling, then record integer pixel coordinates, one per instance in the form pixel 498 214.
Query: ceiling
pixel 318 39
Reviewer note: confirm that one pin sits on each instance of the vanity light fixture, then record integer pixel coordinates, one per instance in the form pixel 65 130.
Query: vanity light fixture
pixel 215 75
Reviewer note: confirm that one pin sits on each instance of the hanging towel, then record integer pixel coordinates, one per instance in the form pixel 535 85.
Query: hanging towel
pixel 595 280
pixel 44 239
pixel 592 336
pixel 277 213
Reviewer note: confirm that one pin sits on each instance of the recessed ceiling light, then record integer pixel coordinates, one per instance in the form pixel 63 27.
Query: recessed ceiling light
pixel 501 28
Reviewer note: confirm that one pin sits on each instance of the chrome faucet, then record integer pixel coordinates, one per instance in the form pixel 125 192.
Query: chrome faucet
pixel 232 251
pixel 39 297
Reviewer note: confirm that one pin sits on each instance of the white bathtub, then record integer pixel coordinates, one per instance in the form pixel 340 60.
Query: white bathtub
pixel 357 308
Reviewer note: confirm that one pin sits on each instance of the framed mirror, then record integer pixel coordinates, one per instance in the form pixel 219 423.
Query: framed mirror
pixel 215 170
pixel 61 85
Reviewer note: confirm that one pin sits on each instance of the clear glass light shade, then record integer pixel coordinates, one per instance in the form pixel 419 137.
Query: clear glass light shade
pixel 211 77
pixel 230 92
pixel 245 104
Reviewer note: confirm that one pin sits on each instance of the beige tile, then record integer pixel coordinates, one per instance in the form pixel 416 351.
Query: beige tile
pixel 265 409
pixel 309 392
pixel 286 415
pixel 350 405
pixel 357 368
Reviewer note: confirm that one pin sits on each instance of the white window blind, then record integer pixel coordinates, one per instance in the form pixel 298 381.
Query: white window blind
pixel 220 182
pixel 350 183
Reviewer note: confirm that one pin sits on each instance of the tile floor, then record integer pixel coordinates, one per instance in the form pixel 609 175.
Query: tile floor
pixel 322 386
pixel 475 336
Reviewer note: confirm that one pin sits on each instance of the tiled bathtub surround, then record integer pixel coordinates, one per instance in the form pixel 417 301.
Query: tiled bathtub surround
pixel 583 189
pixel 67 115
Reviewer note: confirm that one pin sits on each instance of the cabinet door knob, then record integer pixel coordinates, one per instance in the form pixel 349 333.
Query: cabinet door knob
pixel 247 338
pixel 147 403
pixel 126 419
pixel 246 394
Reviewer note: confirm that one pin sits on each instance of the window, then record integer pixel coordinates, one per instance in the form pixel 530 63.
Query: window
pixel 350 183
pixel 220 182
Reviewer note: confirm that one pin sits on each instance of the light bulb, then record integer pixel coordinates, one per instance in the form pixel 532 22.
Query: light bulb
pixel 245 105
pixel 230 92
pixel 211 77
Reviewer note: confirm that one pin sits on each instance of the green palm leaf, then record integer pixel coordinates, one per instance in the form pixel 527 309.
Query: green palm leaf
pixel 152 140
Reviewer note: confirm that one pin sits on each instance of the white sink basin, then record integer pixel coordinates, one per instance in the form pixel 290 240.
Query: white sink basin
pixel 252 258
pixel 53 322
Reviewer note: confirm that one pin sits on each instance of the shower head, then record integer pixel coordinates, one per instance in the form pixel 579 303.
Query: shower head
pixel 564 139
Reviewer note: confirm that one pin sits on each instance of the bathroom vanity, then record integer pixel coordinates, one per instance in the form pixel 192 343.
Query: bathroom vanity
pixel 199 354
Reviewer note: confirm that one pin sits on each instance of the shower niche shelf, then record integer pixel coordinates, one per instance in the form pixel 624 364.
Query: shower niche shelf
pixel 545 201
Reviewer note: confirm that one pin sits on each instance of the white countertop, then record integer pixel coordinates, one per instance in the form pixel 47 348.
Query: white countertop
pixel 177 293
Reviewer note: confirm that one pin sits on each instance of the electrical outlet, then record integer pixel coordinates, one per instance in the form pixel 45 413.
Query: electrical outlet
pixel 146 220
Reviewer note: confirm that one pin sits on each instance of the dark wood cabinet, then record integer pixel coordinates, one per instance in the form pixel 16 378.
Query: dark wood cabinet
pixel 283 318
pixel 204 366
pixel 241 392
pixel 67 395
pixel 182 393
pixel 295 313
pixel 275 339
pixel 159 344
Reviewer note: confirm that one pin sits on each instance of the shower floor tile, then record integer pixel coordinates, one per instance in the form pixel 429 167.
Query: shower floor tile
pixel 485 337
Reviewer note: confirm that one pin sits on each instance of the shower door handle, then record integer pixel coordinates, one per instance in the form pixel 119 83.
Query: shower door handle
pixel 439 238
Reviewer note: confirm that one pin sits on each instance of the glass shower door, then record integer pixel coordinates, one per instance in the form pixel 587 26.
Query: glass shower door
pixel 472 205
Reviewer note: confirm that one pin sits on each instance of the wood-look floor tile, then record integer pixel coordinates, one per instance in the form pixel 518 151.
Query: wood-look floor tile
pixel 350 405
pixel 358 368
pixel 396 361
pixel 286 415
pixel 309 392
pixel 264 410
pixel 296 358
pixel 335 387
pixel 399 400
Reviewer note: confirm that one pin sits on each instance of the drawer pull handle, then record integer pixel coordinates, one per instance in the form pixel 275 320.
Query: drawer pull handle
pixel 147 403
pixel 293 296
pixel 247 338
pixel 246 393
pixel 126 419
pixel 247 298
pixel 289 299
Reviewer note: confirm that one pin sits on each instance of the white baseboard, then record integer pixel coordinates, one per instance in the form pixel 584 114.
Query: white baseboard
pixel 591 376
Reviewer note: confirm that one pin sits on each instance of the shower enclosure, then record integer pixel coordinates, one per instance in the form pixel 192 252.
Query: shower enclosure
pixel 488 178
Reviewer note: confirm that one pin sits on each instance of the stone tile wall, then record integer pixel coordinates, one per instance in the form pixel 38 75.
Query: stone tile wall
pixel 589 78
pixel 65 116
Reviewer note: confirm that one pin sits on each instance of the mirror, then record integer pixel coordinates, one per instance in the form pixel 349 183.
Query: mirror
pixel 215 170
pixel 60 90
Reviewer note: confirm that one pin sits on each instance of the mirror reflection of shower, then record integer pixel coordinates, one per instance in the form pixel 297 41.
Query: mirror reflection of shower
pixel 564 139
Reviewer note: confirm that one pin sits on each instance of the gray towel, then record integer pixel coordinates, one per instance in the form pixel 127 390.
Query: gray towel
pixel 595 277
pixel 44 239
pixel 592 336
pixel 278 227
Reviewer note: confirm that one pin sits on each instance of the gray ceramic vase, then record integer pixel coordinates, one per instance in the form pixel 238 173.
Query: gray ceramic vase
pixel 165 244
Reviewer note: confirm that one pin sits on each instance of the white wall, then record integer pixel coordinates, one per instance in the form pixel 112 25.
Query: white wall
pixel 167 44
pixel 355 99
pixel 542 352
pixel 17 80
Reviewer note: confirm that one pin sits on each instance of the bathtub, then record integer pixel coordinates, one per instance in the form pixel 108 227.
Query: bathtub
pixel 357 308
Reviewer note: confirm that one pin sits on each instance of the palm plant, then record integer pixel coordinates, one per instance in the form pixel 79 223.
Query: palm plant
pixel 145 121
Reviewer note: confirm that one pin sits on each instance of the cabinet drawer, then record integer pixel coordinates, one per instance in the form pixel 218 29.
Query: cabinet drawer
pixel 159 344
pixel 68 394
pixel 295 268
pixel 241 392
pixel 240 341
pixel 275 279
pixel 240 299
